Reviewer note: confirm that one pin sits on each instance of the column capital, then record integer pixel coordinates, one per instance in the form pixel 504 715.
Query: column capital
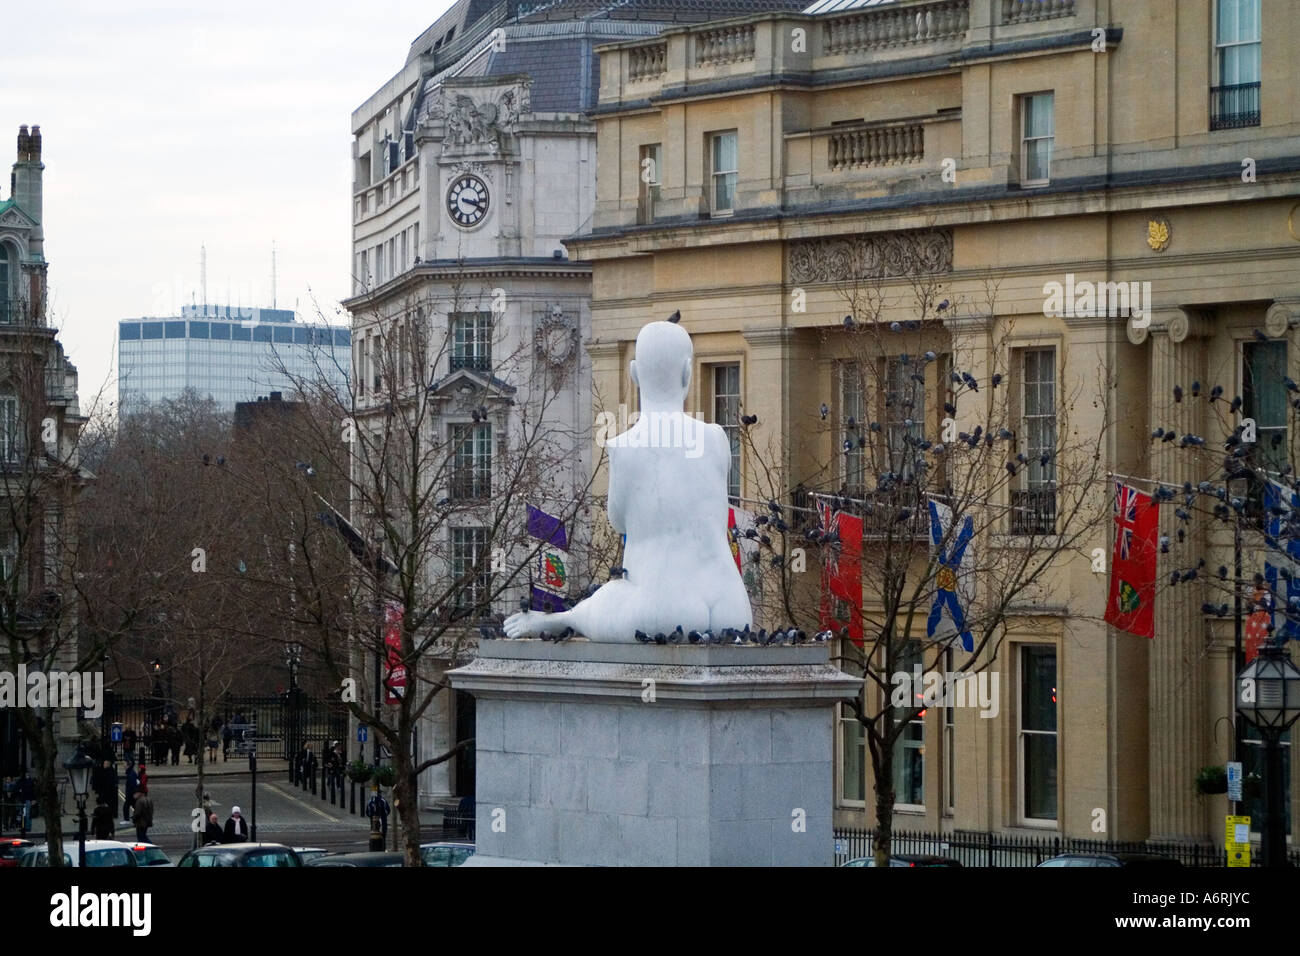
pixel 771 337
pixel 1282 316
pixel 1181 324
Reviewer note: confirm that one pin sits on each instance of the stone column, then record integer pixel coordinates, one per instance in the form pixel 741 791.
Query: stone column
pixel 1177 666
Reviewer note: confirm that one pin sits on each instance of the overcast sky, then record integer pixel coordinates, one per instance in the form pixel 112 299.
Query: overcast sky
pixel 170 125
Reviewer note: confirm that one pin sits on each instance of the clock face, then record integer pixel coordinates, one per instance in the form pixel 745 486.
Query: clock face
pixel 467 201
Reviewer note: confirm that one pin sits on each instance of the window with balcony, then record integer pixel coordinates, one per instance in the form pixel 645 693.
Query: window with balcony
pixel 651 157
pixel 1234 101
pixel 726 412
pixel 1037 734
pixel 11 439
pixel 904 415
pixel 1037 134
pixel 471 471
pixel 471 341
pixel 1033 503
pixel 726 160
pixel 1264 399
pixel 471 566
pixel 852 407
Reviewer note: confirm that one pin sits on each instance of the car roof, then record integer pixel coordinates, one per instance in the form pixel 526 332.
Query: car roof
pixel 361 857
pixel 90 845
pixel 429 846
pixel 240 847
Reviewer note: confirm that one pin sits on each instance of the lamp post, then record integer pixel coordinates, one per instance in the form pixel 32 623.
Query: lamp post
pixel 292 658
pixel 79 768
pixel 1268 696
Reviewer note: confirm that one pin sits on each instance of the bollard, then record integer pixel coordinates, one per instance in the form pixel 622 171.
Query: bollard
pixel 352 789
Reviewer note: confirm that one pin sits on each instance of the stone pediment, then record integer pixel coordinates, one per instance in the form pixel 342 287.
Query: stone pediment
pixel 11 217
pixel 471 388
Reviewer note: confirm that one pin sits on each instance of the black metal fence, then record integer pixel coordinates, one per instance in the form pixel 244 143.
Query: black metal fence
pixel 976 848
pixel 278 724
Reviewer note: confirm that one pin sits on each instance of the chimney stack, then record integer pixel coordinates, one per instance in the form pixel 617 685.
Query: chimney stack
pixel 26 186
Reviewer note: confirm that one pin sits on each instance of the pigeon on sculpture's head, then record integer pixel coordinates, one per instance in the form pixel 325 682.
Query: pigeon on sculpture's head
pixel 675 317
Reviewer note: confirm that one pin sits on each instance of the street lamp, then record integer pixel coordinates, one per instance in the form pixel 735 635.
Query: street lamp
pixel 79 768
pixel 1268 696
pixel 292 658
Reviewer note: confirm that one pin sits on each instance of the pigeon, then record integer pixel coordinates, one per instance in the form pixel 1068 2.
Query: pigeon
pixel 997 379
pixel 969 379
pixel 1170 436
pixel 895 326
pixel 777 560
pixel 1260 336
pixel 903 515
pixel 1005 433
pixel 851 423
pixel 675 317
pixel 1216 393
pixel 748 419
pixel 485 633
pixel 642 637
pixel 443 502
pixel 822 636
pixel 848 446
pixel 1164 544
pixel 1223 572
pixel 221 460
pixel 523 603
pixel 930 356
pixel 941 306
pixel 617 572
pixel 950 408
pixel 206 460
pixel 1196 389
pixel 1236 404
pixel 1011 468
pixel 676 636
pixel 848 321
pixel 1178 393
pixel 825 411
pixel 694 637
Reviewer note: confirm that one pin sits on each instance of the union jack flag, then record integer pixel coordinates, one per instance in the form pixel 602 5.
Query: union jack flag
pixel 1126 502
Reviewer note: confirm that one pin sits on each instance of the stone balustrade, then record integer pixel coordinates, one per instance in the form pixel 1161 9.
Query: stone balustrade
pixel 876 146
pixel 881 28
pixel 647 62
pixel 725 44
pixel 1027 11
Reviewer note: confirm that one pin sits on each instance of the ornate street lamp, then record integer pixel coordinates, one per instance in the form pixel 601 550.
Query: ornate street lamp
pixel 1268 696
pixel 79 768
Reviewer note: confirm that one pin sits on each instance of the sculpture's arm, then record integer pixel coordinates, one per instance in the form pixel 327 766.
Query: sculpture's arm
pixel 614 502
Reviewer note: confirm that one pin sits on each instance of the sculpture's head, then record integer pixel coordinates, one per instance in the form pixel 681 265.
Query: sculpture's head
pixel 662 367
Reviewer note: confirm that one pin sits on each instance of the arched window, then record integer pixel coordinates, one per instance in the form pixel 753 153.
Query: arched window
pixel 4 282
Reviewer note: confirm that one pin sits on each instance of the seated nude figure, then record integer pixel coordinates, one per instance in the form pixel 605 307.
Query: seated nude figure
pixel 668 494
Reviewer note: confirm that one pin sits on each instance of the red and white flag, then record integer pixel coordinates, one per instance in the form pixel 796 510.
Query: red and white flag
pixel 1131 603
pixel 842 571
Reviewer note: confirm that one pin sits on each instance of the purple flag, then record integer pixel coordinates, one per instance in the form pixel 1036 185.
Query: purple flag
pixel 549 529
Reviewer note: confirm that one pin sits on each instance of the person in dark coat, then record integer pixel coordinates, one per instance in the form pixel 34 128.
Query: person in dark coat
pixel 190 734
pixel 378 807
pixel 102 821
pixel 142 816
pixel 236 828
pixel 132 785
pixel 213 833
pixel 106 785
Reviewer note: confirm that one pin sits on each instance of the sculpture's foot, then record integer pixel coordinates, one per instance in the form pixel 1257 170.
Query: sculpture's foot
pixel 534 624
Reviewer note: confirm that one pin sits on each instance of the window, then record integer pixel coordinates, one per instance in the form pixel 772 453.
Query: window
pixel 1037 125
pixel 4 284
pixel 904 403
pixel 1037 735
pixel 471 340
pixel 471 475
pixel 853 757
pixel 471 567
pixel 1234 102
pixel 379 264
pixel 1264 398
pixel 363 273
pixel 909 747
pixel 11 443
pixel 726 412
pixel 1255 764
pixel 650 177
pixel 725 164
pixel 854 475
pixel 949 744
pixel 406 253
pixel 415 234
pixel 1033 505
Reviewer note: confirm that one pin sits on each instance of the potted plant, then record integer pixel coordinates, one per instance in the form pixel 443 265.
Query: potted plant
pixel 359 771
pixel 1212 780
pixel 386 775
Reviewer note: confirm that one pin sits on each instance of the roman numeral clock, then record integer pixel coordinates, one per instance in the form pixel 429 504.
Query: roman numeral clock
pixel 467 200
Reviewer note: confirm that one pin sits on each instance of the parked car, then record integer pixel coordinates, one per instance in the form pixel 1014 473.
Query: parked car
pixel 12 851
pixel 150 854
pixel 99 853
pixel 445 854
pixel 308 853
pixel 907 859
pixel 360 859
pixel 241 854
pixel 1146 860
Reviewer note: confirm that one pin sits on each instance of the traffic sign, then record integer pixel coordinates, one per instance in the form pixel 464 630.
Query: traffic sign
pixel 116 733
pixel 1237 840
pixel 1234 780
pixel 362 733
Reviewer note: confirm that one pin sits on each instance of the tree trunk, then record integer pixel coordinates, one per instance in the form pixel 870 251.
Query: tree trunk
pixel 406 805
pixel 47 784
pixel 884 774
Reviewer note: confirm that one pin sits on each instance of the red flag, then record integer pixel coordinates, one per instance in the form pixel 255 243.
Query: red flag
pixel 395 679
pixel 842 572
pixel 1131 604
pixel 1257 623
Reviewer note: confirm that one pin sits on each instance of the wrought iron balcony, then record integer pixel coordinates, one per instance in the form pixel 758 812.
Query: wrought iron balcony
pixel 1033 512
pixel 14 312
pixel 475 363
pixel 1234 107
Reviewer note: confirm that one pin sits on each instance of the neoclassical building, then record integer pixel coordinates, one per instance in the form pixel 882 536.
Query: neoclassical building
pixel 472 165
pixel 985 150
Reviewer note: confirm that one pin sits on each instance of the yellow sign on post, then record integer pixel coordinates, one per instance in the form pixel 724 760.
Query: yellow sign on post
pixel 1237 840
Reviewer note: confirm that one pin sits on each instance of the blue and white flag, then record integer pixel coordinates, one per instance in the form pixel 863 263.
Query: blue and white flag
pixel 1282 538
pixel 954 580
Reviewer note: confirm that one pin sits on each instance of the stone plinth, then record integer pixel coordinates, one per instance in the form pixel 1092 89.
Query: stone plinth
pixel 650 755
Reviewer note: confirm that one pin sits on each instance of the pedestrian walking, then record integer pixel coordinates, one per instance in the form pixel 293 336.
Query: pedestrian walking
pixel 142 816
pixel 144 779
pixel 214 738
pixel 236 828
pixel 213 833
pixel 132 785
pixel 378 807
pixel 102 821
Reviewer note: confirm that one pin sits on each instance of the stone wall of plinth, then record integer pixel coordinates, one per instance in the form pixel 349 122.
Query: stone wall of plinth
pixel 650 755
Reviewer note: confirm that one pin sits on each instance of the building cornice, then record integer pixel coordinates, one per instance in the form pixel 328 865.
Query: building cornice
pixel 537 267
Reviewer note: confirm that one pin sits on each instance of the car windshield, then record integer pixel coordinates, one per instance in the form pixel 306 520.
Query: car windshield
pixel 269 858
pixel 151 856
pixel 113 856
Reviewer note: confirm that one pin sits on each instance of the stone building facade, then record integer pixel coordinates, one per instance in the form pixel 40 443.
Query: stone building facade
pixel 984 144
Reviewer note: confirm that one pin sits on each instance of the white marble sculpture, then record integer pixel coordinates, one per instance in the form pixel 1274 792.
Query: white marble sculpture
pixel 668 494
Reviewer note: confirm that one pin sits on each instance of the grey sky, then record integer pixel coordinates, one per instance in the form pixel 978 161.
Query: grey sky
pixel 170 125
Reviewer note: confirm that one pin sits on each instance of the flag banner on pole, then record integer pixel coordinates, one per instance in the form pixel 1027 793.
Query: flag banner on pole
pixel 954 581
pixel 745 550
pixel 395 672
pixel 841 604
pixel 1282 561
pixel 1130 605
pixel 1258 623
pixel 550 578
